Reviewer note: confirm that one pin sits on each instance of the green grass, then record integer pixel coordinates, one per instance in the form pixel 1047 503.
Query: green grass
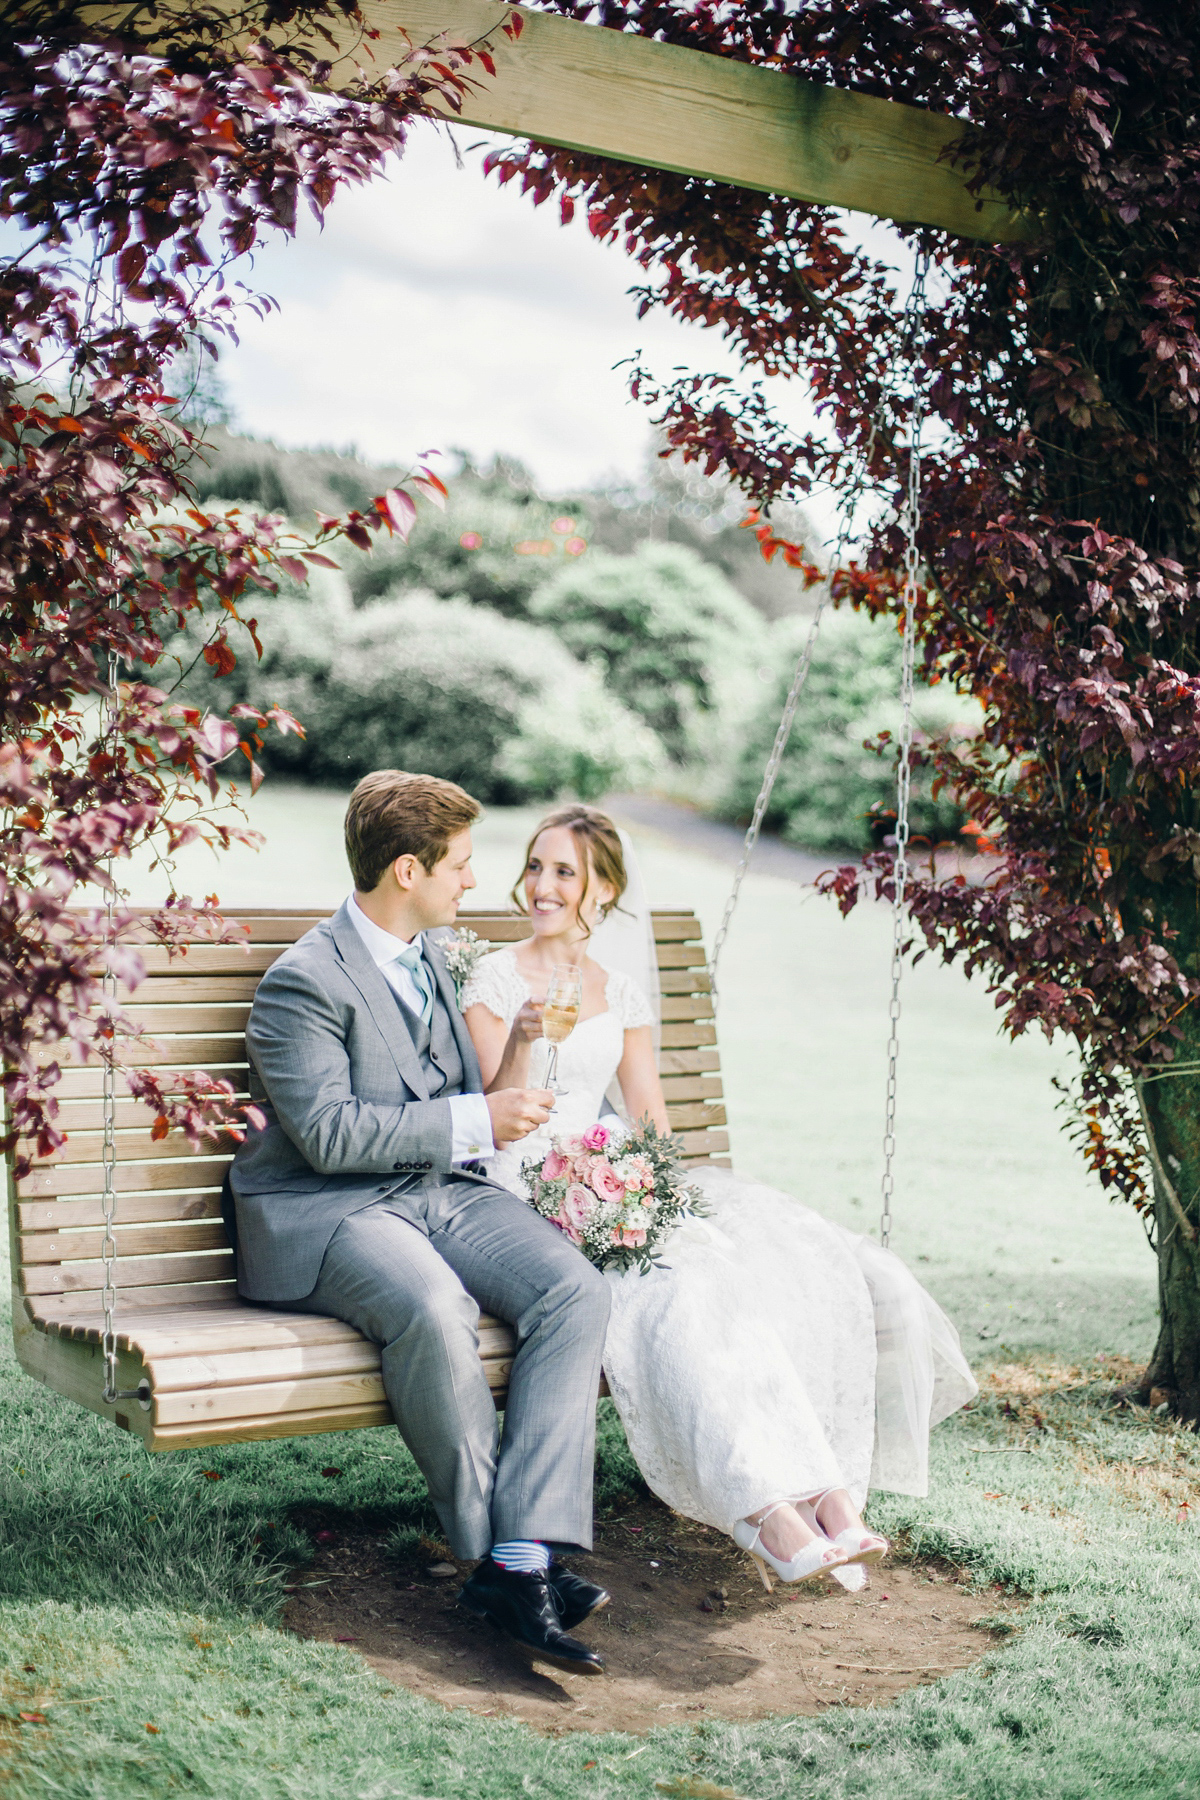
pixel 141 1592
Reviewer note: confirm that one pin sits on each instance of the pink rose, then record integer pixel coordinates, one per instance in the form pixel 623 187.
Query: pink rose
pixel 605 1180
pixel 595 1137
pixel 573 1146
pixel 565 1226
pixel 629 1238
pixel 555 1166
pixel 577 1207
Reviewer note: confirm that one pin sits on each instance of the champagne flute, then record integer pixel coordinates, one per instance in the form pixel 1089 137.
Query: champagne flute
pixel 564 997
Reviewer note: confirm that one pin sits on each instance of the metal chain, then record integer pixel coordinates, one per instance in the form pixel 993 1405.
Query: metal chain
pixel 799 679
pixel 108 1245
pixel 912 560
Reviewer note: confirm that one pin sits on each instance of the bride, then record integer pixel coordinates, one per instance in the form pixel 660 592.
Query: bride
pixel 780 1366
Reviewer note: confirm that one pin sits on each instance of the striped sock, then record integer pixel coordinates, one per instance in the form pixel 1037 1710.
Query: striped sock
pixel 525 1555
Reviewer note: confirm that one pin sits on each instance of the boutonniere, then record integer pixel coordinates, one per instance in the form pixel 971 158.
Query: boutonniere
pixel 460 953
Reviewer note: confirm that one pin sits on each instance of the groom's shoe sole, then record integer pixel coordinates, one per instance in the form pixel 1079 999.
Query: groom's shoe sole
pixel 572 1665
pixel 590 1663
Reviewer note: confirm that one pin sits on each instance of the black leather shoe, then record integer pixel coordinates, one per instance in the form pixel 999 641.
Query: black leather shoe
pixel 523 1607
pixel 577 1599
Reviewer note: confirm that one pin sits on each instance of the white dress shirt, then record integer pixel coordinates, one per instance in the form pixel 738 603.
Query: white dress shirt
pixel 470 1121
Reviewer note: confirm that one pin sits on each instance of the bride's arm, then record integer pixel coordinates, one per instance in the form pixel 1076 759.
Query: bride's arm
pixel 640 1087
pixel 504 1054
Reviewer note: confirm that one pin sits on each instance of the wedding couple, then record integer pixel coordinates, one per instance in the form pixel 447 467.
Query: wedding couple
pixel 769 1376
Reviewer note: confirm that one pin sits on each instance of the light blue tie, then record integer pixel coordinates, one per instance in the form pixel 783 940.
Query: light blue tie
pixel 418 968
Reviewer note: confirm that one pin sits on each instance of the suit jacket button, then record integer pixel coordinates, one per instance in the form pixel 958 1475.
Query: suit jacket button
pixel 427 1165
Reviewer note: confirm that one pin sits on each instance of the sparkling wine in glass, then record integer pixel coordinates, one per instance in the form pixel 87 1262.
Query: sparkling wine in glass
pixel 564 997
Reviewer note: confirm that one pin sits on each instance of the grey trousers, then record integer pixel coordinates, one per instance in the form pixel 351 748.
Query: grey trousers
pixel 412 1273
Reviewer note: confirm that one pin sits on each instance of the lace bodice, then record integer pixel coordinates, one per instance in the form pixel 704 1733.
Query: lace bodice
pixel 498 984
pixel 587 1061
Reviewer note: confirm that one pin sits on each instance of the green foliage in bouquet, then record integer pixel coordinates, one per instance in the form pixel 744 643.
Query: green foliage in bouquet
pixel 616 1194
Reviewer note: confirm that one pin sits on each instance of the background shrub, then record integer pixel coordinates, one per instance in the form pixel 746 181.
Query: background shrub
pixel 661 624
pixel 511 549
pixel 441 686
pixel 829 782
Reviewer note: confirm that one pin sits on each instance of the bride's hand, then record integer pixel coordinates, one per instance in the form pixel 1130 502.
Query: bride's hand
pixel 527 1026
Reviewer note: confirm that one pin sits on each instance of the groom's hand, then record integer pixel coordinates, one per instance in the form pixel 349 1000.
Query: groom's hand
pixel 518 1111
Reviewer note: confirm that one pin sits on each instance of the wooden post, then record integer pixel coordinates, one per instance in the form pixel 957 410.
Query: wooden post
pixel 612 93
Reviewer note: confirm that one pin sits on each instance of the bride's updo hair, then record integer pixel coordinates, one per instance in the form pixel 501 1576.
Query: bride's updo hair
pixel 598 843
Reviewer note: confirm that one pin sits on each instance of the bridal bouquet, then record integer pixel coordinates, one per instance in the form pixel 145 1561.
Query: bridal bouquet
pixel 614 1193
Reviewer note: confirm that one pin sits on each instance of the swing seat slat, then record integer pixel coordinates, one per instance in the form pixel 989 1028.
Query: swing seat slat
pixel 214 1368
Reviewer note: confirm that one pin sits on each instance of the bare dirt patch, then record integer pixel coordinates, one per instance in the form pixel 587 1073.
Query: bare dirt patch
pixel 670 1658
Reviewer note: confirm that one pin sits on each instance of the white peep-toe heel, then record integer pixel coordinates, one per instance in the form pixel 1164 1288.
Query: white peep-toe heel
pixel 861 1546
pixel 856 1542
pixel 821 1557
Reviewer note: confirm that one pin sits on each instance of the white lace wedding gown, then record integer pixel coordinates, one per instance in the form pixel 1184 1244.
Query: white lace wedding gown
pixel 777 1354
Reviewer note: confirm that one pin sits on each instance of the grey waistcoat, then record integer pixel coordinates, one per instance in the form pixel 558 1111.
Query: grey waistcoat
pixel 353 1088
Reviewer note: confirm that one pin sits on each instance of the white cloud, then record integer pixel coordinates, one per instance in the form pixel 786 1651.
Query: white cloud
pixel 437 309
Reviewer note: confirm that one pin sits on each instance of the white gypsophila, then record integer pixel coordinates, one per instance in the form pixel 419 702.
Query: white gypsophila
pixel 461 955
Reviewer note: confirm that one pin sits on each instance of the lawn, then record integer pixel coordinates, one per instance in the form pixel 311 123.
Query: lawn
pixel 137 1624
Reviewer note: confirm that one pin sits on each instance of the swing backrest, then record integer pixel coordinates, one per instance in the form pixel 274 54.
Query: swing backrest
pixel 215 1367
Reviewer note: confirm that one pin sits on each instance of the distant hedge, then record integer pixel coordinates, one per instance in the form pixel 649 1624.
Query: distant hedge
pixel 829 782
pixel 662 625
pixel 441 686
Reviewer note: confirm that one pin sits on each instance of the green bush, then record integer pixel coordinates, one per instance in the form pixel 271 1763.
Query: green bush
pixel 661 624
pixel 445 687
pixel 829 782
pixel 511 549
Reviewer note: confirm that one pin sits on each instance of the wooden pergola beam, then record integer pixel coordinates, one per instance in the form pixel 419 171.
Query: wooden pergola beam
pixel 611 93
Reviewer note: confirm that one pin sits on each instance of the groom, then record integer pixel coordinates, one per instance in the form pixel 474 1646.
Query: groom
pixel 364 1196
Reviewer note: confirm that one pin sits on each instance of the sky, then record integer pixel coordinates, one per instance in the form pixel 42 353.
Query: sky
pixel 437 310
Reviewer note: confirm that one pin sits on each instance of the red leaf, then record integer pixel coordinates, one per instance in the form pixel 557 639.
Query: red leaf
pixel 130 264
pixel 160 1128
pixel 291 565
pixel 401 510
pixel 34 1718
pixel 220 657
pixel 211 1474
pixel 318 561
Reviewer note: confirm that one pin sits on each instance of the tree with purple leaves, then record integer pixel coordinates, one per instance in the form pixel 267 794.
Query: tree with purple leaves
pixel 1060 501
pixel 136 182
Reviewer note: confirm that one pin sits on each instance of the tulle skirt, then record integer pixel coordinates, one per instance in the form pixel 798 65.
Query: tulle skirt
pixel 777 1355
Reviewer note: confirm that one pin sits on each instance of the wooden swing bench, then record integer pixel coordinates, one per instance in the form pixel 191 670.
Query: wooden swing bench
pixel 209 1367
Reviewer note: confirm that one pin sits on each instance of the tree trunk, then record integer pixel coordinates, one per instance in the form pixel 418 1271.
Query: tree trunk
pixel 1171 1109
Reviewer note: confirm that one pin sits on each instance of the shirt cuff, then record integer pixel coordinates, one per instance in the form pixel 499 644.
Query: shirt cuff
pixel 470 1128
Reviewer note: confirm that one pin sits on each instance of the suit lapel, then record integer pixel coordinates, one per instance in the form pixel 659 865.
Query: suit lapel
pixel 472 1080
pixel 383 1005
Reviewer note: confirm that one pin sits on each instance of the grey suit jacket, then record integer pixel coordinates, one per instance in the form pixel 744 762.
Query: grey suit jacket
pixel 348 1116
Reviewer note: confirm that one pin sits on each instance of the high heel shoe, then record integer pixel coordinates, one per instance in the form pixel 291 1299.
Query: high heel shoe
pixel 857 1542
pixel 815 1558
pixel 860 1545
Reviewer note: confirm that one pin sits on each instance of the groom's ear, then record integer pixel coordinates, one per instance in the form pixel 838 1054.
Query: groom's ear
pixel 404 871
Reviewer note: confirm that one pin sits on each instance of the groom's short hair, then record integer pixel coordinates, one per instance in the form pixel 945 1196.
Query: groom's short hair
pixel 392 813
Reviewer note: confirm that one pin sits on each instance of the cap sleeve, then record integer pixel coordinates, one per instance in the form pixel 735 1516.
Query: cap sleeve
pixel 496 984
pixel 627 1000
